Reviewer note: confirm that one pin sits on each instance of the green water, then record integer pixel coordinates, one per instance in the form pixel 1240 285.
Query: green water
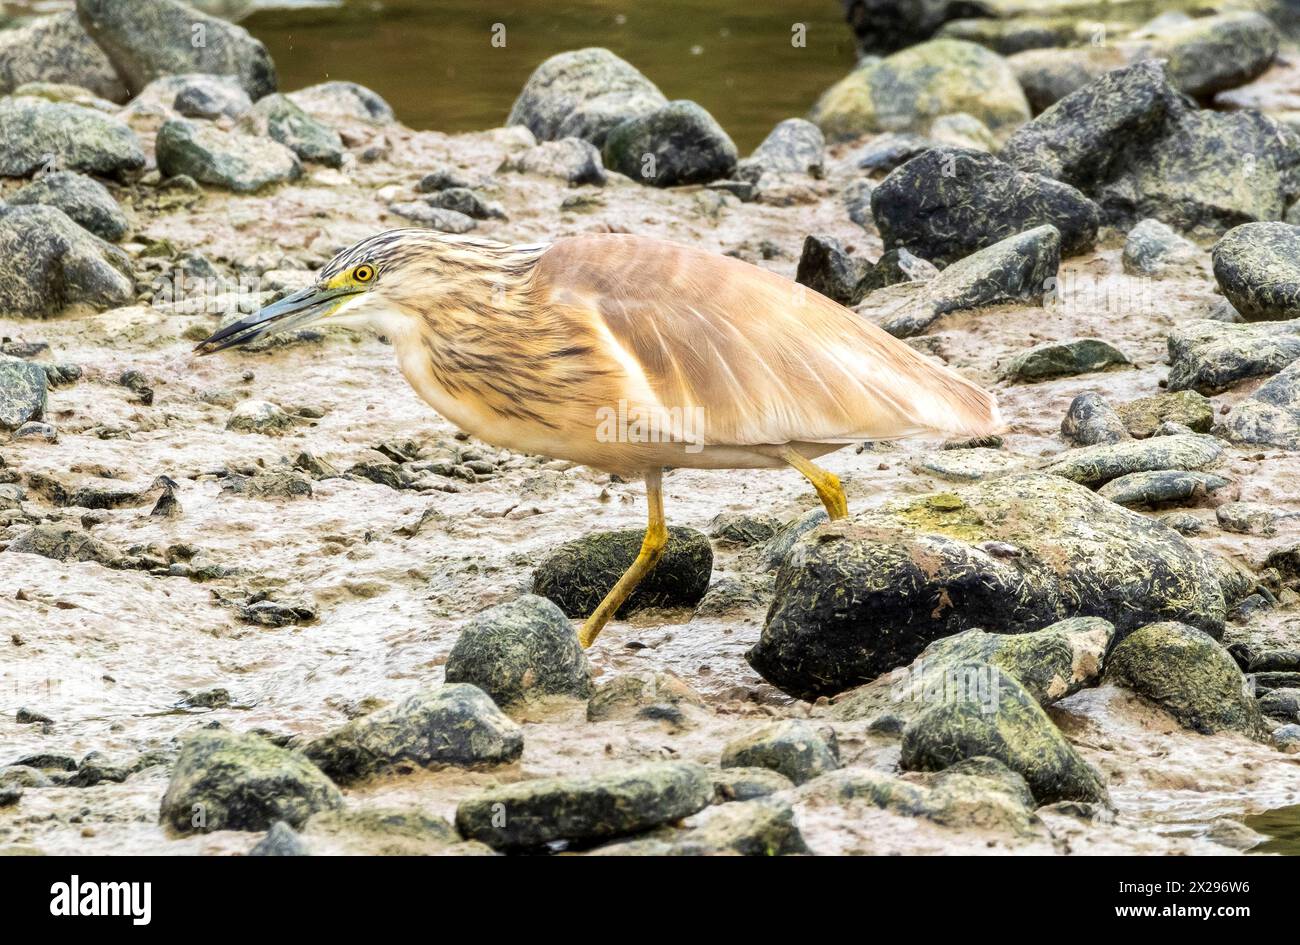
pixel 435 63
pixel 1281 826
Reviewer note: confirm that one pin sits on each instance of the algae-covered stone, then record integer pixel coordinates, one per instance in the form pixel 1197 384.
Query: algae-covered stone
pixel 1091 420
pixel 776 549
pixel 1161 486
pixel 242 163
pixel 648 695
pixel 906 91
pixel 23 388
pixel 379 831
pixel 48 263
pixel 761 827
pixel 55 49
pixel 85 200
pixel 825 267
pixel 1050 663
pixel 1003 722
pixel 226 781
pixel 1210 356
pixel 1153 248
pixel 1143 416
pixel 302 134
pixel 579 574
pixel 583 94
pixel 583 810
pixel 1020 268
pixel 1096 465
pixel 1063 358
pixel 746 784
pixel 1281 704
pixel 795 748
pixel 1250 518
pixel 522 649
pixel 1009 555
pixel 164 37
pixel 1271 415
pixel 949 202
pixel 1189 674
pixel 743 528
pixel 65 543
pixel 677 144
pixel 454 725
pixel 280 840
pixel 1213 53
pixel 1257 266
pixel 1049 75
pixel 39 134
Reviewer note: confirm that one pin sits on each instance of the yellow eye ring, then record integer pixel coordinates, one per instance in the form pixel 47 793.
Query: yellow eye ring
pixel 363 273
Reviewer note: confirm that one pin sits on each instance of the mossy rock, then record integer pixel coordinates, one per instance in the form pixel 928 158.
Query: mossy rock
pixel 1211 356
pixel 1189 674
pixel 225 781
pixel 579 574
pixel 381 831
pixel 522 649
pixel 746 784
pixel 906 91
pixel 1257 266
pixel 1097 465
pixel 1015 554
pixel 1271 415
pixel 760 827
pixel 1002 721
pixel 795 748
pixel 648 695
pixel 78 139
pixel 677 144
pixel 585 810
pixel 453 725
pixel 1161 487
pixel 1064 358
pixel 1143 416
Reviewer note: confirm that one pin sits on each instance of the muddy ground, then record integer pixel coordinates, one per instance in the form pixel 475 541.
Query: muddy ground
pixel 109 655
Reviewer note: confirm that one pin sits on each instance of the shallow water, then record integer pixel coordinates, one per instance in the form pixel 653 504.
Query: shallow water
pixel 436 64
pixel 1281 826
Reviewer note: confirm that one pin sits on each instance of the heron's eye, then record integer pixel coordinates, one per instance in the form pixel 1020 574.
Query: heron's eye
pixel 363 273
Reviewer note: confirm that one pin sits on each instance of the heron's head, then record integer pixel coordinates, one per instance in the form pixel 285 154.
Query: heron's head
pixel 377 275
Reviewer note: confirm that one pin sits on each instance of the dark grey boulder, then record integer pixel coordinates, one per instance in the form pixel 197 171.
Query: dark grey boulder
pixel 584 810
pixel 55 49
pixel 679 143
pixel 1153 248
pixel 795 748
pixel 39 134
pixel 242 163
pixel 779 545
pixel 163 37
pixel 226 781
pixel 1133 144
pixel 1189 674
pixel 1162 487
pixel 280 840
pixel 1213 53
pixel 48 263
pixel 1271 415
pixel 898 265
pixel 583 94
pixel 522 649
pixel 760 827
pixel 23 388
pixel 892 149
pixel 1099 464
pixel 1091 420
pixel 1257 266
pixel 826 268
pixel 85 200
pixel 795 146
pixel 466 201
pixel 1008 555
pixel 435 218
pixel 579 574
pixel 743 528
pixel 950 202
pixel 1281 704
pixel 1020 268
pixel 454 725
pixel 746 784
pixel 302 134
pixel 1210 356
pixel 1063 358
pixel 573 160
pixel 1049 75
pixel 997 717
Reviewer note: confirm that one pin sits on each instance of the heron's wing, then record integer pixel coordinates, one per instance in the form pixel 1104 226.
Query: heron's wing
pixel 769 361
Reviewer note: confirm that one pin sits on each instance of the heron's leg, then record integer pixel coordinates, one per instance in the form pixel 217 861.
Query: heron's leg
pixel 826 483
pixel 652 549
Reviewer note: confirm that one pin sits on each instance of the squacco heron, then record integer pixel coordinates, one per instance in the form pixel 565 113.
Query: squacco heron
pixel 631 355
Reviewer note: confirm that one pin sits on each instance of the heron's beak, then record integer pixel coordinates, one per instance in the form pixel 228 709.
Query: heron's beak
pixel 292 311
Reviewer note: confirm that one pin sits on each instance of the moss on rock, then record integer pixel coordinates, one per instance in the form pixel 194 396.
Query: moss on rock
pixel 795 748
